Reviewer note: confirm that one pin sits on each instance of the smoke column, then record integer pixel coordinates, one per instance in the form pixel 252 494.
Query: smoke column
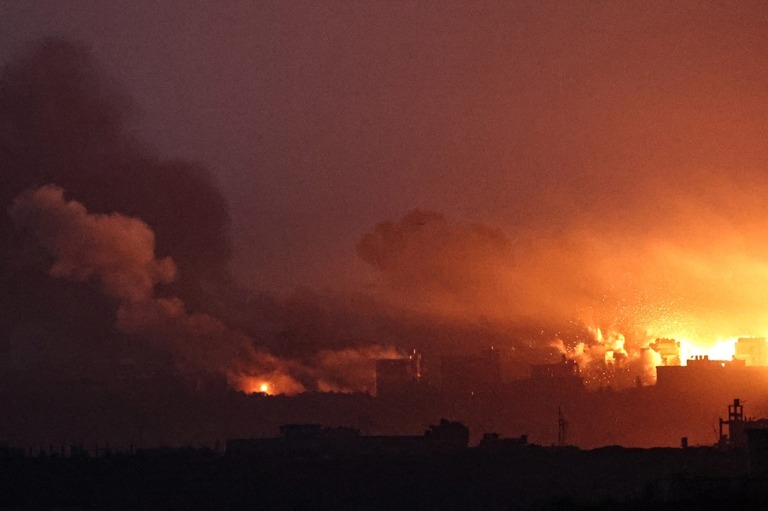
pixel 119 253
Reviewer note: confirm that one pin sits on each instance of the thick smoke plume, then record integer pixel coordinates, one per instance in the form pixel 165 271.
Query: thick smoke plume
pixel 605 288
pixel 64 122
pixel 639 217
pixel 146 262
pixel 119 253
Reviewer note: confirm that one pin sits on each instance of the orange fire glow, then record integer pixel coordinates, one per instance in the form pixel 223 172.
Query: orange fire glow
pixel 609 358
pixel 256 385
pixel 272 384
pixel 721 350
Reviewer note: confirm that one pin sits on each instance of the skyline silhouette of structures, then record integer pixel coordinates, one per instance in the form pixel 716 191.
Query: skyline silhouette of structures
pixel 308 465
pixel 397 255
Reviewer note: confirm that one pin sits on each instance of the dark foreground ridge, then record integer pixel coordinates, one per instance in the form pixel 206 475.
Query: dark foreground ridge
pixel 310 467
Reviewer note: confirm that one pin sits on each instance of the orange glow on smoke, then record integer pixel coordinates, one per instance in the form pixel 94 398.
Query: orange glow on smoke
pixel 610 359
pixel 272 384
pixel 255 385
pixel 699 343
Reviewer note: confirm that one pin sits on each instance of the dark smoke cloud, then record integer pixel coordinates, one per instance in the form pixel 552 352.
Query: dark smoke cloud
pixel 439 265
pixel 427 252
pixel 647 222
pixel 64 122
pixel 118 253
pixel 144 269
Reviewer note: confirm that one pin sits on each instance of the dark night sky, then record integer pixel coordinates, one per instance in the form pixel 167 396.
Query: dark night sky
pixel 613 151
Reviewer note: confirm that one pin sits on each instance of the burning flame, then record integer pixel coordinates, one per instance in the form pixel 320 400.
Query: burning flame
pixel 724 349
pixel 271 384
pixel 609 358
pixel 256 385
